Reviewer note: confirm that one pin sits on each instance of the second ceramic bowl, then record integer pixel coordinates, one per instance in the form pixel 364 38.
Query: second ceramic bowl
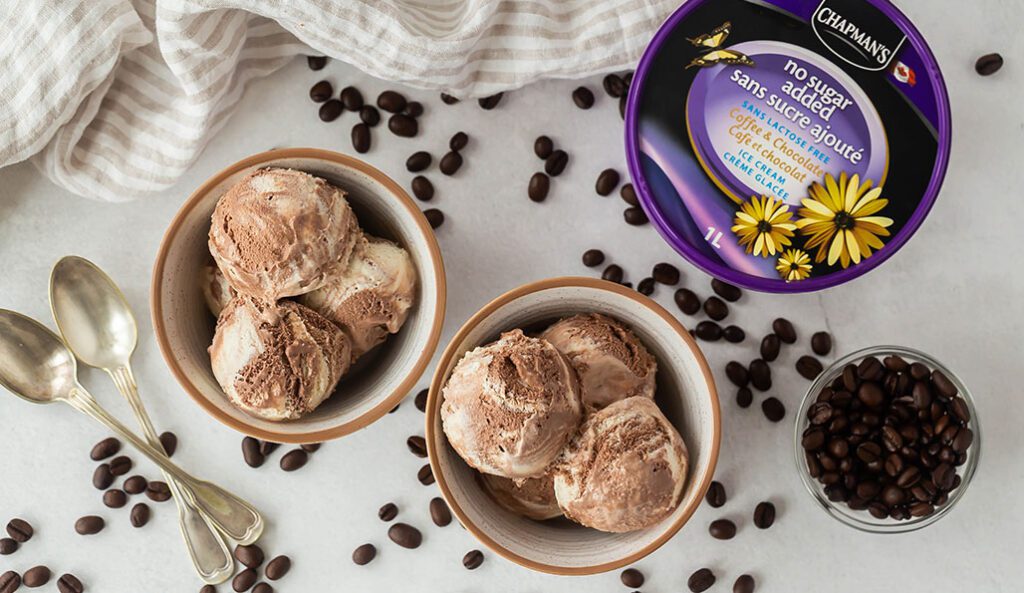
pixel 685 392
pixel 184 327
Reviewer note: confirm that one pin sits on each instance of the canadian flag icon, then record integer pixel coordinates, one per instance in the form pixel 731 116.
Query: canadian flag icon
pixel 903 73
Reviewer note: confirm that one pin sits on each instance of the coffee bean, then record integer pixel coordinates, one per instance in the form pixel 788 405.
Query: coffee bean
pixel 69 583
pixel 963 440
pixel 115 499
pixel 645 286
pixel 352 98
pixel 583 97
pixel 387 512
pixel 491 102
pixel 361 138
pixel 701 580
pixel 403 125
pixel 665 273
pixel 244 580
pixel 448 99
pixel 538 188
pixel 263 588
pixel 622 106
pixel 821 343
pixel 294 459
pixel 37 576
pixel 417 446
pixel 760 374
pixel 108 447
pixel 8 546
pixel 418 161
pixel 20 530
pixel 614 86
pixel 744 397
pixel 158 491
pixel 593 257
pixel 943 385
pixel 249 555
pixel 988 64
pixel 813 439
pixel 612 273
pixel 316 62
pixel 628 194
pixel 543 147
pixel 139 514
pixel 331 110
pixel 391 101
pixel 785 330
pixel 635 216
pixel 89 525
pixel 709 331
pixel 10 582
pixel 439 512
pixel 364 554
pixel 425 475
pixel 770 346
pixel 744 584
pixel 715 496
pixel 450 163
pixel 278 567
pixel 413 109
pixel 687 301
pixel 764 515
pixel 251 452
pixel 311 447
pixel 737 373
pixel 632 578
pixel 473 559
pixel 555 164
pixel 422 188
pixel 120 465
pixel 725 290
pixel 607 181
pixel 321 91
pixel 434 216
pixel 405 535
pixel 808 367
pixel 715 308
pixel 773 409
pixel 734 334
pixel 722 529
pixel 102 477
pixel 369 115
pixel 420 400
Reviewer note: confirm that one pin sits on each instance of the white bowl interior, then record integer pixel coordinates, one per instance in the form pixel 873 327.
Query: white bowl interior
pixel 189 326
pixel 683 393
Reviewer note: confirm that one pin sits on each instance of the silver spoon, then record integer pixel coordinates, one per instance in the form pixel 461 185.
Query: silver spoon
pixel 97 324
pixel 36 366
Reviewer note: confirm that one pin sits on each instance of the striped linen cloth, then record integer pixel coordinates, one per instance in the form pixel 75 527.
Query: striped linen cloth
pixel 114 99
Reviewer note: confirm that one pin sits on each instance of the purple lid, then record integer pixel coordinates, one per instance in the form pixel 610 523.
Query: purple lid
pixel 787 145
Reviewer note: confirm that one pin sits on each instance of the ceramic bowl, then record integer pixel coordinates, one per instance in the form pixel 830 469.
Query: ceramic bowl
pixel 184 327
pixel 685 392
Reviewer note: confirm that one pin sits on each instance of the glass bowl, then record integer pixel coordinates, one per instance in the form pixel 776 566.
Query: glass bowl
pixel 862 519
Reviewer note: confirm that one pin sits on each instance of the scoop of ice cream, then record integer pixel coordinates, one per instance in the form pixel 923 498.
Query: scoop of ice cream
pixel 611 362
pixel 509 407
pixel 371 297
pixel 277 361
pixel 216 289
pixel 624 470
pixel 279 233
pixel 533 498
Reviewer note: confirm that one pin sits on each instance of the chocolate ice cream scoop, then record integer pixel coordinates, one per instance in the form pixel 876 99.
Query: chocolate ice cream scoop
pixel 371 297
pixel 610 360
pixel 625 469
pixel 510 406
pixel 533 498
pixel 279 233
pixel 216 289
pixel 277 361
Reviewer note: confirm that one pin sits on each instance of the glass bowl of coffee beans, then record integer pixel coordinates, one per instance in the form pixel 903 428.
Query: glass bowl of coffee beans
pixel 887 440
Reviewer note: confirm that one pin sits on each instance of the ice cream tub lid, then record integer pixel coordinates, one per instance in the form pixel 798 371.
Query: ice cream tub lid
pixel 787 145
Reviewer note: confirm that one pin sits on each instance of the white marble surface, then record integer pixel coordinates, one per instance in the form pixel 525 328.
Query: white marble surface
pixel 953 291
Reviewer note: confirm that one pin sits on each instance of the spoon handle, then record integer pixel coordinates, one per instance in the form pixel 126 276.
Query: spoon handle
pixel 233 516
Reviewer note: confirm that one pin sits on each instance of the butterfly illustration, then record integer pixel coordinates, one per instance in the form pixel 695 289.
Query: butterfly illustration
pixel 713 41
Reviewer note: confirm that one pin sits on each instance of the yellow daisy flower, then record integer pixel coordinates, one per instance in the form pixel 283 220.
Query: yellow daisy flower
pixel 793 265
pixel 838 219
pixel 764 225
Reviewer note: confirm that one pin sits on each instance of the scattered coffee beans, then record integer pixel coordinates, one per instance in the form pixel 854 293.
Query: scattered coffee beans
pixel 391 101
pixel 440 514
pixel 413 109
pixel 744 584
pixel 420 400
pixel 645 286
pixel 263 588
pixel 69 583
pixel 244 580
pixel 434 216
pixel 583 97
pixel 614 86
pixel 632 578
pixel 821 343
pixel 294 459
pixel 722 529
pixel 278 567
pixel 737 373
pixel 709 331
pixel 593 257
pixel 734 334
pixel 715 496
pixel 102 477
pixel 405 535
pixel 330 110
pixel 89 525
pixel 8 546
pixel 208 589
pixel 773 409
pixel 388 512
pixel 115 498
pixel 251 452
pixel 543 146
pixel 20 530
pixel 120 465
pixel 665 273
pixel 634 216
pixel 321 91
pixel 352 98
pixel 491 102
pixel 403 125
pixel 458 141
pixel 770 346
pixel 744 397
pixel 450 163
pixel 715 308
pixel 108 447
pixel 311 447
pixel 361 138
pixel 417 446
pixel 760 374
pixel 169 441
pixel 448 99
pixel 555 164
pixel 612 273
pixel 764 515
pixel 418 161
pixel 10 582
pixel 364 554
pixel 139 514
pixel 988 64
pixel 369 115
pixel 607 181
pixel 250 556
pixel 473 559
pixel 316 62
pixel 785 330
pixel 701 580
pixel 158 491
pixel 725 290
pixel 808 367
pixel 425 475
pixel 37 576
pixel 628 195
pixel 687 301
pixel 422 188
pixel 539 186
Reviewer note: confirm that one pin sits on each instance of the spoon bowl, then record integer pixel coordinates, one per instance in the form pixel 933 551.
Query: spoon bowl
pixel 35 365
pixel 93 313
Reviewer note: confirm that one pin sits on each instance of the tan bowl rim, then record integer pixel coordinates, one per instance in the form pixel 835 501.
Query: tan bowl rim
pixel 388 403
pixel 434 405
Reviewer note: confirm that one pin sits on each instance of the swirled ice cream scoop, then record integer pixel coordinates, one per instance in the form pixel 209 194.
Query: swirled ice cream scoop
pixel 533 498
pixel 625 469
pixel 280 232
pixel 610 360
pixel 371 297
pixel 216 290
pixel 277 361
pixel 510 406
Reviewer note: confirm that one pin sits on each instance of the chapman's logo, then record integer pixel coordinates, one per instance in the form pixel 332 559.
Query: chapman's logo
pixel 858 33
